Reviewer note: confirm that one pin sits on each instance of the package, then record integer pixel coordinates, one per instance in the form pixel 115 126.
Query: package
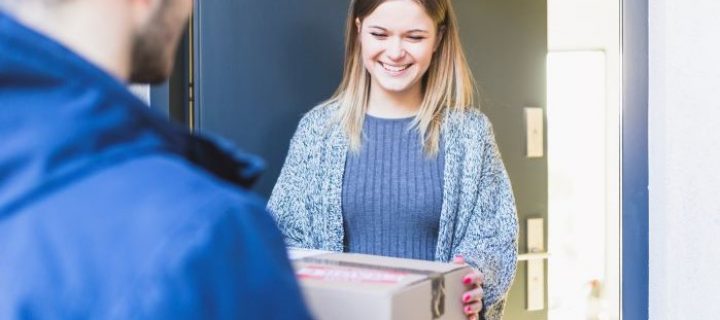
pixel 356 286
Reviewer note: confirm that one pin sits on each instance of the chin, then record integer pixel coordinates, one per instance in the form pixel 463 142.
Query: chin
pixel 395 87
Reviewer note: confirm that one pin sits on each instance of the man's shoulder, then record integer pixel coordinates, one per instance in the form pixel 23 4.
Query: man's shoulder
pixel 168 180
pixel 150 223
pixel 147 194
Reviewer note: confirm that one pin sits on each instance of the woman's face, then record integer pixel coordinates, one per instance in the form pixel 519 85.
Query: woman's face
pixel 397 44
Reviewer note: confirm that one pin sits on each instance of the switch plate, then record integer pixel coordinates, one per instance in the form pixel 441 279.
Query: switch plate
pixel 536 284
pixel 535 235
pixel 536 267
pixel 534 128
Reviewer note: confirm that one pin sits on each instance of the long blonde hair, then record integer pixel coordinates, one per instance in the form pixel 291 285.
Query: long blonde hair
pixel 447 84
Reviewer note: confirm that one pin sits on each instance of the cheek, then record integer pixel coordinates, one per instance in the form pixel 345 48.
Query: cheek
pixel 422 53
pixel 370 50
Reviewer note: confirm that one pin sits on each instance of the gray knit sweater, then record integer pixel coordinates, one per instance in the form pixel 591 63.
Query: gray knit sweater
pixel 478 218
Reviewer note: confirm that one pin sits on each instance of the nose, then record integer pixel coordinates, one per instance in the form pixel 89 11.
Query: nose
pixel 395 50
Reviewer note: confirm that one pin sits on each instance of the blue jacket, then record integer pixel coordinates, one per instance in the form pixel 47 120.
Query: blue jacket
pixel 109 212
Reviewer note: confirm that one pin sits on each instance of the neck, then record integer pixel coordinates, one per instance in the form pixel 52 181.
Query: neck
pixel 387 104
pixel 95 30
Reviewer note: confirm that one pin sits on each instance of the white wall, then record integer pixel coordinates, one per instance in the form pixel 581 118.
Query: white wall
pixel 684 159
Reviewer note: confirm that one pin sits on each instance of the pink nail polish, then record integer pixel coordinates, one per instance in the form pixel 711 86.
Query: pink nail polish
pixel 467 280
pixel 468 309
pixel 466 297
pixel 472 317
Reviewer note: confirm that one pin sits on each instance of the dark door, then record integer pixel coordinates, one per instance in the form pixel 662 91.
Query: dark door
pixel 260 65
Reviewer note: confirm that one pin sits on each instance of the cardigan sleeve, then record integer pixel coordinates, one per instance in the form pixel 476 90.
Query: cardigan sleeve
pixel 287 203
pixel 490 245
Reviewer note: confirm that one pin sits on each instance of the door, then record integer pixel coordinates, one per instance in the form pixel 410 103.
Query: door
pixel 260 65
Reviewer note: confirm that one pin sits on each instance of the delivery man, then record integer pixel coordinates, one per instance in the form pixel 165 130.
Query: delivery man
pixel 106 210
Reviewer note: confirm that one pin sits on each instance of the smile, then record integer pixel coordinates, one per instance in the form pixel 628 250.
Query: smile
pixel 395 69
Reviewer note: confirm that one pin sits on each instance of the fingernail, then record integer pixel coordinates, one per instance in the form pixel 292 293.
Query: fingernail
pixel 467 297
pixel 459 259
pixel 472 317
pixel 467 280
pixel 468 309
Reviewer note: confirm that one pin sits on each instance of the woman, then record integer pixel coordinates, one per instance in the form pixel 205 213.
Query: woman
pixel 397 162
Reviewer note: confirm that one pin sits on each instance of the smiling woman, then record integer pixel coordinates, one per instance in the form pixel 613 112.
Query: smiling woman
pixel 414 170
pixel 403 58
pixel 398 42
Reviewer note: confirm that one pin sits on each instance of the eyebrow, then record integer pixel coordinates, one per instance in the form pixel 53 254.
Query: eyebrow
pixel 410 31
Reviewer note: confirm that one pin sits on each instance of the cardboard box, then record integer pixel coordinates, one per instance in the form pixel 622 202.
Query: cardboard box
pixel 360 287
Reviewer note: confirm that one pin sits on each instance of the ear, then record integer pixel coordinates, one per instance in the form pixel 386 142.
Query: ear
pixel 358 24
pixel 439 38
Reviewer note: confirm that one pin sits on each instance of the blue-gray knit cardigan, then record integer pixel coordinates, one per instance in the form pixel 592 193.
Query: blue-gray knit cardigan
pixel 478 218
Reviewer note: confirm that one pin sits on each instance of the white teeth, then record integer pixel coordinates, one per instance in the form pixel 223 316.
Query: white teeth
pixel 394 68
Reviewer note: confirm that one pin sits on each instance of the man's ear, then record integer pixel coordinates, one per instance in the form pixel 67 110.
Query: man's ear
pixel 439 38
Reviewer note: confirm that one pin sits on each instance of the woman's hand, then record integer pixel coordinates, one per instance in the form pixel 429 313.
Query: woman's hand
pixel 472 299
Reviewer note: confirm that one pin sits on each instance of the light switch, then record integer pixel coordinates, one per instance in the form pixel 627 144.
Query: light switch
pixel 535 235
pixel 535 267
pixel 534 129
pixel 536 285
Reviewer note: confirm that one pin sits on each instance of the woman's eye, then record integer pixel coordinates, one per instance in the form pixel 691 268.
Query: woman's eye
pixel 378 35
pixel 416 38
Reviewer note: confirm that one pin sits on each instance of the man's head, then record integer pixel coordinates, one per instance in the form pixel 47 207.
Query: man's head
pixel 135 40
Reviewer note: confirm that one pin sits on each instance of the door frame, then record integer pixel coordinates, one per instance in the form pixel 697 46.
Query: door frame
pixel 634 160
